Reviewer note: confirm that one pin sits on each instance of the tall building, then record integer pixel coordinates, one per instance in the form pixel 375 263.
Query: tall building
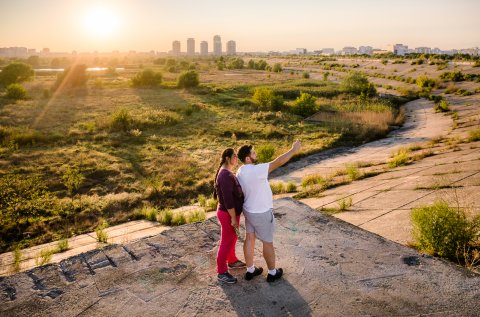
pixel 176 48
pixel 365 50
pixel 231 48
pixel 349 50
pixel 190 46
pixel 217 45
pixel 204 48
pixel 400 49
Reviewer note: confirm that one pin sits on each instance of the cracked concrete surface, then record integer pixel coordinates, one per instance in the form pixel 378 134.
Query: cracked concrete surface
pixel 331 268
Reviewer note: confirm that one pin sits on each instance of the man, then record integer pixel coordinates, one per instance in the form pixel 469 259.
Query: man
pixel 258 208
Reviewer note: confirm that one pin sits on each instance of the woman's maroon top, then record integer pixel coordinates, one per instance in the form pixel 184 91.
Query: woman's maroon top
pixel 229 192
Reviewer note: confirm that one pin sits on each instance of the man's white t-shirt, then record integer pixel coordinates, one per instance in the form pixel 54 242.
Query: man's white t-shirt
pixel 255 187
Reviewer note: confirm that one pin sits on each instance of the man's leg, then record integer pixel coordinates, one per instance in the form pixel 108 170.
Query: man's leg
pixel 249 248
pixel 269 254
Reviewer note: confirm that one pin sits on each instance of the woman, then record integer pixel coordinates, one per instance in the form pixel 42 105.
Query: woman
pixel 230 205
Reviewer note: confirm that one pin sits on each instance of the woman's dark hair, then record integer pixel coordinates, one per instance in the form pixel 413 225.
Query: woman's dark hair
pixel 226 153
pixel 244 151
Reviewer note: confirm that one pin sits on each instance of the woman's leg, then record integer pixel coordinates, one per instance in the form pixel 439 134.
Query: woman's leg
pixel 232 255
pixel 227 240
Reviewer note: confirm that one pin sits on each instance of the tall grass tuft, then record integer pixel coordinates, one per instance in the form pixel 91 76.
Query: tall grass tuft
pixel 352 171
pixel 314 179
pixel 399 158
pixel 196 216
pixel 277 188
pixel 102 235
pixel 291 187
pixel 474 135
pixel 165 217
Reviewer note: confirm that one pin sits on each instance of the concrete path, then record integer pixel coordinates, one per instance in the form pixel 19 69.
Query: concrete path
pixel 331 269
pixel 382 204
pixel 421 124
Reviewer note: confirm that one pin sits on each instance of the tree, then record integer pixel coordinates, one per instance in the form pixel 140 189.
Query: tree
pixel 147 78
pixel 235 63
pixel 325 76
pixel 16 72
pixel 33 60
pixel 251 64
pixel 305 105
pixel 16 92
pixel 188 79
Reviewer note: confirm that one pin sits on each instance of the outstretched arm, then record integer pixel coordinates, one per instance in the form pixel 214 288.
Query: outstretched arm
pixel 285 157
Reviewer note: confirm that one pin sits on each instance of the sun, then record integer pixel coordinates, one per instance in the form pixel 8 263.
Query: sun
pixel 101 22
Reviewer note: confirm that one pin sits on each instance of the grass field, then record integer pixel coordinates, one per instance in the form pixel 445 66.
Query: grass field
pixel 102 151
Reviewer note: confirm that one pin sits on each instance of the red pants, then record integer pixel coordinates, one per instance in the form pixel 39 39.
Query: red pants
pixel 228 240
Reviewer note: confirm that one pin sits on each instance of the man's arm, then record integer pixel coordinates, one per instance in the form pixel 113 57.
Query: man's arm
pixel 285 157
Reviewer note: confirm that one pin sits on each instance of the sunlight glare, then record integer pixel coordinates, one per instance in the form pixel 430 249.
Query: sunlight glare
pixel 101 22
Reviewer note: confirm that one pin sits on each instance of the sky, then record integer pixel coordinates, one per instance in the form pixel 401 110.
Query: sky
pixel 261 25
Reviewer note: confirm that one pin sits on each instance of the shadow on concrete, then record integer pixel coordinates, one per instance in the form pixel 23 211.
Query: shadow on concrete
pixel 259 298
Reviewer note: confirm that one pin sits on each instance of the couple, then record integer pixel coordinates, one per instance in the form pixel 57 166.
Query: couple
pixel 248 191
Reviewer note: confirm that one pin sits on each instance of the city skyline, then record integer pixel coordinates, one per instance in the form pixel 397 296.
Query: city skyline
pixel 147 25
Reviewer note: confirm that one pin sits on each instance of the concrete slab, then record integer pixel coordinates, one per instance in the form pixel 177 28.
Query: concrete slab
pixel 331 269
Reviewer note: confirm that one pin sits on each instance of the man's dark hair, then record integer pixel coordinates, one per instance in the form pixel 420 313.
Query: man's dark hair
pixel 244 151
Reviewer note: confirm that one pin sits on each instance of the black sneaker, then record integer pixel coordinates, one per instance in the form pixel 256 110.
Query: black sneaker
pixel 237 264
pixel 227 278
pixel 272 278
pixel 257 271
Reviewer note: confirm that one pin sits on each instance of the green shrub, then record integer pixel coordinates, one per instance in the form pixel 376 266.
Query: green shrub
pixel 357 83
pixel 306 75
pixel 406 91
pixel 399 158
pixel 464 92
pixel 266 99
pixel 147 78
pixel 102 235
pixel 16 72
pixel 188 79
pixel 16 92
pixel 425 83
pixel 277 68
pixel 72 77
pixel 442 106
pixel 291 187
pixel 442 230
pixel 453 76
pixel 305 105
pixel 265 153
pixel 474 135
pixel 235 63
